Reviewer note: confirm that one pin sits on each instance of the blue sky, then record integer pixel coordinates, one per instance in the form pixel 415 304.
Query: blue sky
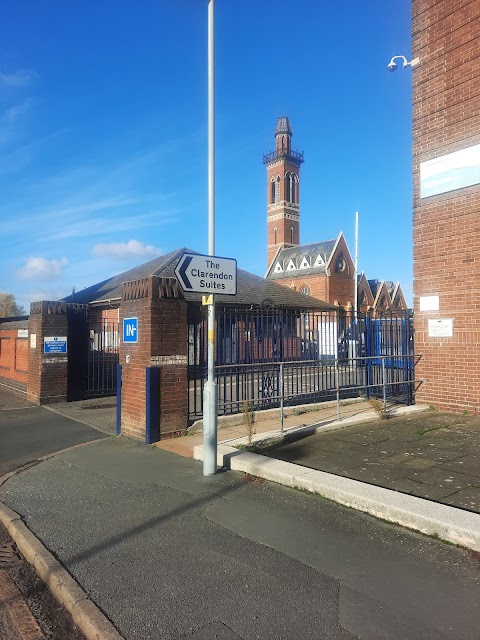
pixel 103 133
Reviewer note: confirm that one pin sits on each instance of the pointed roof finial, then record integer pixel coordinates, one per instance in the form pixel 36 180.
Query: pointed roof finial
pixel 283 126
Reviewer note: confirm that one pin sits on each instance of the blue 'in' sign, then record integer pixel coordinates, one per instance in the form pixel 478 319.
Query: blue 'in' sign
pixel 130 330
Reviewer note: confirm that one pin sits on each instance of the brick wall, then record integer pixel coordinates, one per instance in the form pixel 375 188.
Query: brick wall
pixel 106 315
pixel 47 373
pixel 446 227
pixel 13 356
pixel 162 342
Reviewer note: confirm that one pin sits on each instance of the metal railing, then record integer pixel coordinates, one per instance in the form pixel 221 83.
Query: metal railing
pixel 270 385
pixel 282 152
pixel 252 343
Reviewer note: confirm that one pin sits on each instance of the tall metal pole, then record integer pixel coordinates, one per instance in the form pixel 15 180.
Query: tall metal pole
pixel 210 398
pixel 356 335
pixel 355 305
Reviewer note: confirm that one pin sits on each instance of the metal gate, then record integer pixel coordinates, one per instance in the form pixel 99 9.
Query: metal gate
pixel 102 359
pixel 317 351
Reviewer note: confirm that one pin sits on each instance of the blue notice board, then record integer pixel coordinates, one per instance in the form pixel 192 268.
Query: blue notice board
pixel 130 330
pixel 55 344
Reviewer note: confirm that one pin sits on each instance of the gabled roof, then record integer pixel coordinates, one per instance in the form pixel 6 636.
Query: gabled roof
pixel 306 259
pixel 363 286
pixel 398 299
pixel 381 287
pixel 375 286
pixel 251 289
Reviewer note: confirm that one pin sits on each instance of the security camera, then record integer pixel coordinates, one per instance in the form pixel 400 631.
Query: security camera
pixel 392 66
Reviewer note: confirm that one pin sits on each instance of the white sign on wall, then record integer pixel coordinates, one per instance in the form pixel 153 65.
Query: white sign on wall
pixel 452 171
pixel 429 303
pixel 440 328
pixel 22 333
pixel 33 341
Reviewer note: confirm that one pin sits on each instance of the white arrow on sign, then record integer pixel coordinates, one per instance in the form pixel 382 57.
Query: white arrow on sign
pixel 207 274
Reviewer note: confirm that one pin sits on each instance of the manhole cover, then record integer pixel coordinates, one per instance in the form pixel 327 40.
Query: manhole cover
pixel 9 554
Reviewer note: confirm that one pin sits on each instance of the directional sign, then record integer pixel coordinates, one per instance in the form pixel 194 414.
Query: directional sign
pixel 207 274
pixel 55 344
pixel 130 330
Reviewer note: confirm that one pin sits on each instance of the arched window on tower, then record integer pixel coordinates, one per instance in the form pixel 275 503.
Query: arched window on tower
pixel 294 188
pixel 288 183
pixel 275 236
pixel 291 235
pixel 277 189
pixel 272 191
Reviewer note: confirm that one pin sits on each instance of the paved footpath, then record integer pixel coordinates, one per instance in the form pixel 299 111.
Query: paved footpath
pixel 430 455
pixel 166 553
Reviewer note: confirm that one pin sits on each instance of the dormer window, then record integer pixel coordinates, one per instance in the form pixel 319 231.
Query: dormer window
pixel 291 266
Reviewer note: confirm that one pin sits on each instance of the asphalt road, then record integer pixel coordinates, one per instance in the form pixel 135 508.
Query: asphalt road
pixel 169 554
pixel 28 432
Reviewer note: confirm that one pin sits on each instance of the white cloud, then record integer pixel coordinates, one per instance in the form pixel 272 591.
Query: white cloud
pixel 42 269
pixel 42 294
pixel 16 79
pixel 14 112
pixel 125 250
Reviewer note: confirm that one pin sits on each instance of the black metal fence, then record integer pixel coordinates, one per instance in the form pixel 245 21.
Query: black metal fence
pixel 268 357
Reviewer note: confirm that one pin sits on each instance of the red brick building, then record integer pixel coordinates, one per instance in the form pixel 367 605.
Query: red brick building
pixel 446 201
pixel 325 269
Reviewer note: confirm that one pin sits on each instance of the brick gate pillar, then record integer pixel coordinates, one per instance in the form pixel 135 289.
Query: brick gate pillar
pixel 47 372
pixel 162 344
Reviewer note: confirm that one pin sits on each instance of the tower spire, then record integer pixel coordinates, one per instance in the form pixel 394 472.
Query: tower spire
pixel 283 191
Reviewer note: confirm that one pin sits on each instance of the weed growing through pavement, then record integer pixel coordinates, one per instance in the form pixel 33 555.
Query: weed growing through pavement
pixel 379 408
pixel 249 420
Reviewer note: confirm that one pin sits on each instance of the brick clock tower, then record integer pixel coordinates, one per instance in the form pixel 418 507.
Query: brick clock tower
pixel 283 191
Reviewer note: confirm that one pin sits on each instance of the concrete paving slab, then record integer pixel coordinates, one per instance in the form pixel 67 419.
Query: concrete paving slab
pixel 468 498
pixel 439 477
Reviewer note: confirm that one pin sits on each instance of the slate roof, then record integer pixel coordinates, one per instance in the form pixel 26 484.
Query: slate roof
pixel 20 322
pixel 374 287
pixel 283 126
pixel 251 289
pixel 297 256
